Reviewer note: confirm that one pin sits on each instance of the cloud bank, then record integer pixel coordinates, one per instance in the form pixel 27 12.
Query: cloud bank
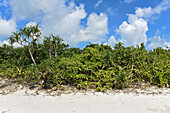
pixel 7 27
pixel 156 41
pixel 134 30
pixel 58 18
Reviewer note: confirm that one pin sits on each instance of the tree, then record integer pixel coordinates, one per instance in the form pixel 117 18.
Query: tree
pixel 48 44
pixel 27 37
pixel 54 45
pixel 56 40
pixel 4 51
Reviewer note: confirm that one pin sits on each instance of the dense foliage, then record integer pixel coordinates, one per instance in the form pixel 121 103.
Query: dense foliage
pixel 100 67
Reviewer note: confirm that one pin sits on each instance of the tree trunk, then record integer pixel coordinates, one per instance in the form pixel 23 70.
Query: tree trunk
pixel 132 59
pixel 132 62
pixel 43 75
pixel 29 49
pixel 55 51
pixel 50 52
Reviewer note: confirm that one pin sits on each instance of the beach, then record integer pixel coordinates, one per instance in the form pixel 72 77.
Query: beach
pixel 24 100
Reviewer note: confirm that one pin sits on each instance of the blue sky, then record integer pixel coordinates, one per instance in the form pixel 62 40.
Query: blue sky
pixel 79 22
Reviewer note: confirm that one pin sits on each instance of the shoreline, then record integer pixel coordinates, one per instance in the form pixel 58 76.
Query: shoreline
pixel 19 99
pixel 27 101
pixel 8 87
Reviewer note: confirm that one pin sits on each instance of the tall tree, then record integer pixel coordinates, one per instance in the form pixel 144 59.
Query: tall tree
pixel 56 40
pixel 27 37
pixel 48 44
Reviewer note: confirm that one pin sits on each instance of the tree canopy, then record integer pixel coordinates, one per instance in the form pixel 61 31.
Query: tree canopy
pixel 97 66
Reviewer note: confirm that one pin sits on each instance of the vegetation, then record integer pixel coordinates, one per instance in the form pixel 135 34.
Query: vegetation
pixel 100 67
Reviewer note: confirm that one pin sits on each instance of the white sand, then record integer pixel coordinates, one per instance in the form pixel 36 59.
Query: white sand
pixel 21 102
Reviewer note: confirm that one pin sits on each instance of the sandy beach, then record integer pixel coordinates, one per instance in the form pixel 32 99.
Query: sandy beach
pixel 24 100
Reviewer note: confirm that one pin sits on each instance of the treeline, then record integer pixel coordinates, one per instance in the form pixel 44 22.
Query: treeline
pixel 98 67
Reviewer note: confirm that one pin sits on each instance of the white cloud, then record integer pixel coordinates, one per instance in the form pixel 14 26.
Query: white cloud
pixel 17 45
pixel 4 42
pixel 127 1
pixel 95 31
pixel 98 3
pixel 134 30
pixel 111 41
pixel 31 24
pixel 67 25
pixel 7 43
pixel 149 12
pixel 144 12
pixel 156 41
pixel 164 5
pixel 58 18
pixel 7 27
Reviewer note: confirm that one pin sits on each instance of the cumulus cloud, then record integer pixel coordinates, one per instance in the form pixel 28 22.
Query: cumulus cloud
pixel 95 31
pixel 7 27
pixel 7 43
pixel 55 17
pixel 134 30
pixel 31 24
pixel 4 42
pixel 144 12
pixel 98 3
pixel 68 25
pixel 156 41
pixel 111 41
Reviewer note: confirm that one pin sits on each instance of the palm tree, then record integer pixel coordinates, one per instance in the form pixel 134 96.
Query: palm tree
pixel 48 44
pixel 27 37
pixel 56 40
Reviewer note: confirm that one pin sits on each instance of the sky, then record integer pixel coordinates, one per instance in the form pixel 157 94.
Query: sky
pixel 79 22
